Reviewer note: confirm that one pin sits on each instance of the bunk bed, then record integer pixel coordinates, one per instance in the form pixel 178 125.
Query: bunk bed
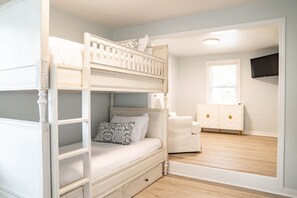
pixel 104 66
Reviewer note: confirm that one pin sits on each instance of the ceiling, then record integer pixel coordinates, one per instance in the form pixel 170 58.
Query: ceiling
pixel 231 41
pixel 122 13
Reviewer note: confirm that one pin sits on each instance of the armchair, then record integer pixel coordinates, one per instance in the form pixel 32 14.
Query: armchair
pixel 183 134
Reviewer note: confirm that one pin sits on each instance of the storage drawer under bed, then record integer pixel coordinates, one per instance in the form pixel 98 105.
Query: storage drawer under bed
pixel 138 184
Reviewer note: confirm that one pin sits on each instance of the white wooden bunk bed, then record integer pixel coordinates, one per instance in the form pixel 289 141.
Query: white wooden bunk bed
pixel 106 67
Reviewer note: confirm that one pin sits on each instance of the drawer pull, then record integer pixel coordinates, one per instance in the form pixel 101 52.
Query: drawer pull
pixel 230 117
pixel 207 115
pixel 146 180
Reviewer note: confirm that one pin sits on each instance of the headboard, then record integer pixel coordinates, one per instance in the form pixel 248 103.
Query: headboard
pixel 158 120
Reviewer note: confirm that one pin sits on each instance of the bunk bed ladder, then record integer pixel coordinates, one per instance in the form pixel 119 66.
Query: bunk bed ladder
pixel 84 151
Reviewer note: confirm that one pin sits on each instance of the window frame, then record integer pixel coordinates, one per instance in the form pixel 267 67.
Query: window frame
pixel 237 78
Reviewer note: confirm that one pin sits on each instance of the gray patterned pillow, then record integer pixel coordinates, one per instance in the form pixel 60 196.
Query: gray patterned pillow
pixel 118 133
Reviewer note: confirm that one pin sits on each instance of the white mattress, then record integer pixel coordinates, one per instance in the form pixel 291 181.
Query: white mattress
pixel 65 52
pixel 69 53
pixel 105 158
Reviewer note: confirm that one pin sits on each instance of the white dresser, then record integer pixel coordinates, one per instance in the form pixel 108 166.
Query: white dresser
pixel 214 116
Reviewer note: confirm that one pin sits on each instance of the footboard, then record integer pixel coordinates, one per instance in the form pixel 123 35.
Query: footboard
pixel 118 68
pixel 24 164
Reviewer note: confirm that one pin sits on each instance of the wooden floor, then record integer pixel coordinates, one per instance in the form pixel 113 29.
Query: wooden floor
pixel 180 187
pixel 245 153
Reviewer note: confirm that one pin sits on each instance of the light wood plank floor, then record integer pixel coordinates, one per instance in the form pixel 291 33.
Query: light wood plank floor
pixel 246 153
pixel 180 187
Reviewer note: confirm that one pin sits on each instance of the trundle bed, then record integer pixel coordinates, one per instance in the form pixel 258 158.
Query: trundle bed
pixel 56 65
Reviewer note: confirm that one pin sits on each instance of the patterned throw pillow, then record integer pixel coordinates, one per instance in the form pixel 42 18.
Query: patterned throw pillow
pixel 118 133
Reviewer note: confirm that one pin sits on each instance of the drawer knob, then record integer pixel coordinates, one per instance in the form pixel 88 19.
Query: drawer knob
pixel 230 117
pixel 146 180
pixel 207 115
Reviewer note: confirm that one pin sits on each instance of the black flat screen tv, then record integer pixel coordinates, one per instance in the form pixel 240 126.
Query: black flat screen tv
pixel 264 66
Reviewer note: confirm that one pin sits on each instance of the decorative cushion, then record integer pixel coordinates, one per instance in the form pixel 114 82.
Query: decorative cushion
pixel 133 43
pixel 139 44
pixel 118 133
pixel 141 125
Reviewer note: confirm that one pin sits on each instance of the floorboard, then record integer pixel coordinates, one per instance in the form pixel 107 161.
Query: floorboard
pixel 245 153
pixel 171 186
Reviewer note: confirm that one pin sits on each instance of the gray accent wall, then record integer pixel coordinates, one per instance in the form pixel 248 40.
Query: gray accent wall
pixel 19 105
pixel 68 26
pixel 131 100
pixel 264 10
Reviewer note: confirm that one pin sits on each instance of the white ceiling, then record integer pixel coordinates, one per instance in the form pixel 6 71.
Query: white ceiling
pixel 122 13
pixel 231 41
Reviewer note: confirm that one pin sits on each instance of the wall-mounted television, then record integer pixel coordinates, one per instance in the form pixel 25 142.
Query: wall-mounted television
pixel 265 66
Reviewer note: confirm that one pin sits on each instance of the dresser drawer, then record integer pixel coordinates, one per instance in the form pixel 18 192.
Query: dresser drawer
pixel 143 181
pixel 116 194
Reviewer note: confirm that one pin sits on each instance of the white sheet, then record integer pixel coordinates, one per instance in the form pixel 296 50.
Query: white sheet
pixel 65 52
pixel 105 158
pixel 69 53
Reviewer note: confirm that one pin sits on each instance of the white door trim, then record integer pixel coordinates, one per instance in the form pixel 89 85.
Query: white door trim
pixel 250 180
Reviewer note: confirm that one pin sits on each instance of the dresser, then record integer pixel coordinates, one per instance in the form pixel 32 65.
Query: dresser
pixel 214 116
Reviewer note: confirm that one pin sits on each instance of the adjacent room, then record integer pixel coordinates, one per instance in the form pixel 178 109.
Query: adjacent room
pixel 216 73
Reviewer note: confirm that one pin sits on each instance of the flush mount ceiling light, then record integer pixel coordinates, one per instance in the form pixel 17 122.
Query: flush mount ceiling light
pixel 211 41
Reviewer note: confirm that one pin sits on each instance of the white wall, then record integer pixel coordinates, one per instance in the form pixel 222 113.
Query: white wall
pixel 172 78
pixel 264 10
pixel 260 98
pixel 259 95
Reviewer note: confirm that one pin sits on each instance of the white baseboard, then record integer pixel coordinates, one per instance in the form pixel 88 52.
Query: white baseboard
pixel 6 193
pixel 261 133
pixel 245 180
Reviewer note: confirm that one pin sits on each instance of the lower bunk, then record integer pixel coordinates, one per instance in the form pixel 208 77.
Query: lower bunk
pixel 121 170
pixel 116 172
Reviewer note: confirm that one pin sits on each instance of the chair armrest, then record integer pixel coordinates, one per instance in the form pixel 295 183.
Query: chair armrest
pixel 196 128
pixel 180 122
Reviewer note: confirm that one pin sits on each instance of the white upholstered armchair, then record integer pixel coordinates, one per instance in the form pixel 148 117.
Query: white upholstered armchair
pixel 183 134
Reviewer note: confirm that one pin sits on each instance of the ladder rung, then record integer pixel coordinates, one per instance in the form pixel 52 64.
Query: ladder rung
pixel 73 153
pixel 74 185
pixel 72 121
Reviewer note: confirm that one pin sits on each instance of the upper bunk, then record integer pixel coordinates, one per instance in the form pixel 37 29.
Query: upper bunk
pixel 98 64
pixel 103 65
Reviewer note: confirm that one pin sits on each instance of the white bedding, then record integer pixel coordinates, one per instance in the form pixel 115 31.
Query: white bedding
pixel 65 52
pixel 69 53
pixel 105 158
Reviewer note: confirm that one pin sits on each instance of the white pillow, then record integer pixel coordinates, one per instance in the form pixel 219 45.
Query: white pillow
pixel 172 114
pixel 145 127
pixel 142 43
pixel 140 128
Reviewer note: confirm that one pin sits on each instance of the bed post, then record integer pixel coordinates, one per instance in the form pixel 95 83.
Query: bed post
pixel 42 104
pixel 165 139
pixel 111 99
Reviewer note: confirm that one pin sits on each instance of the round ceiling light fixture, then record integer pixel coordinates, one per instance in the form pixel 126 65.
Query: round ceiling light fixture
pixel 211 41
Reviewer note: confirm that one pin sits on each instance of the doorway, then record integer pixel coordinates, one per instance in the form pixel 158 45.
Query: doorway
pixel 232 177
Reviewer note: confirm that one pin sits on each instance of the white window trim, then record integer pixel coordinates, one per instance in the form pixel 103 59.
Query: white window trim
pixel 238 77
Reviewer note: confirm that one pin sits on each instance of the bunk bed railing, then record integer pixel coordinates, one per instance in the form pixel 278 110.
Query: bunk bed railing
pixel 104 53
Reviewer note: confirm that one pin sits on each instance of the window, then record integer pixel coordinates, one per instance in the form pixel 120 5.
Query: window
pixel 223 84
